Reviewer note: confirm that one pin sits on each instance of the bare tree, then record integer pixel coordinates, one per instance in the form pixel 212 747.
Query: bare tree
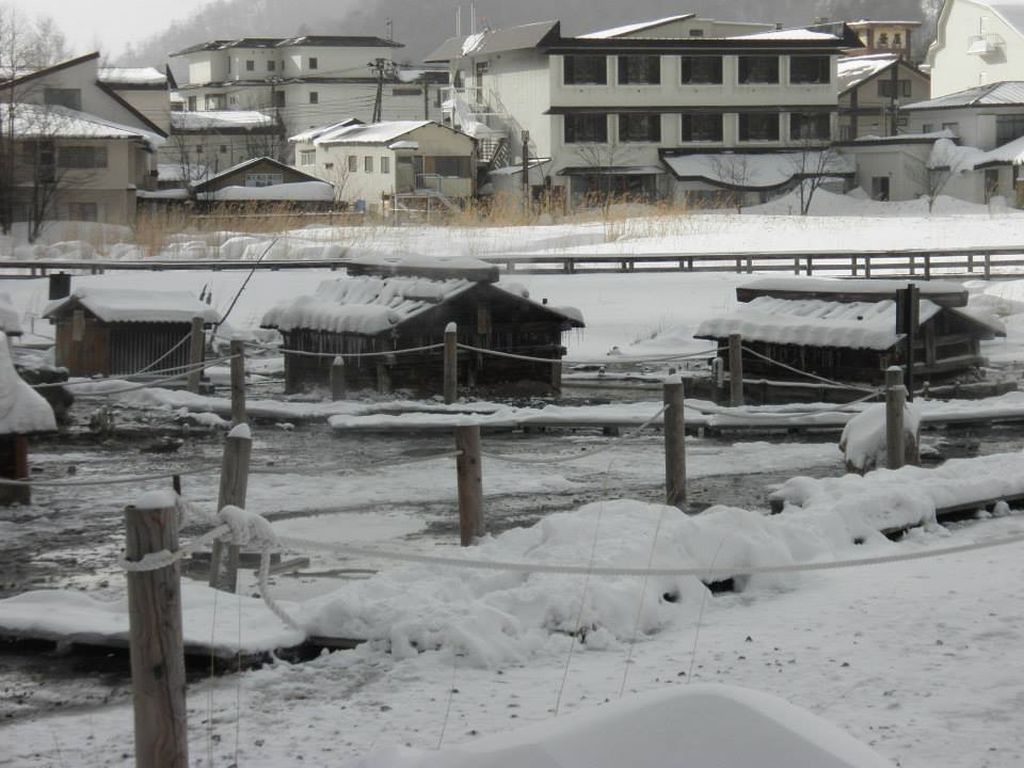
pixel 812 165
pixel 734 170
pixel 602 158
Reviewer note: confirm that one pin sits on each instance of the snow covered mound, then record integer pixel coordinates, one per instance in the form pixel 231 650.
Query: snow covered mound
pixel 863 441
pixel 499 616
pixel 696 725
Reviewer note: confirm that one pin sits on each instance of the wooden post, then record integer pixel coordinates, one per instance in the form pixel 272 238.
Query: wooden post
pixel 471 489
pixel 155 642
pixel 895 401
pixel 735 369
pixel 675 445
pixel 234 483
pixel 338 378
pixel 196 354
pixel 451 363
pixel 238 415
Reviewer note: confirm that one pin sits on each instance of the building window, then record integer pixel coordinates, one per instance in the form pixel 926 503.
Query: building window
pixel 585 70
pixel 353 163
pixel 63 97
pixel 278 99
pixel 701 70
pixel 314 97
pixel 696 33
pixel 757 126
pixel 701 128
pixel 639 70
pixel 215 101
pixel 307 157
pixel 1008 128
pixel 223 149
pixel 903 88
pixel 897 40
pixel 229 65
pixel 810 125
pixel 641 127
pixel 191 103
pixel 449 166
pixel 82 157
pixel 314 62
pixel 586 129
pixel 263 179
pixel 759 69
pixel 271 65
pixel 83 211
pixel 199 149
pixel 953 128
pixel 385 164
pixel 883 39
pixel 250 65
pixel 810 69
pixel 368 164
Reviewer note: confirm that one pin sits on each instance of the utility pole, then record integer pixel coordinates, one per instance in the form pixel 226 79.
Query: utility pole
pixel 380 66
pixel 894 105
pixel 526 170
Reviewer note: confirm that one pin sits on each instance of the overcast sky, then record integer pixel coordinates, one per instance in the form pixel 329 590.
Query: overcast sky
pixel 108 24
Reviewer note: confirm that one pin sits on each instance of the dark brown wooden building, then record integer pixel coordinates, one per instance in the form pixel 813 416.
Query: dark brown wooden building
pixel 116 332
pixel 406 302
pixel 264 183
pixel 845 330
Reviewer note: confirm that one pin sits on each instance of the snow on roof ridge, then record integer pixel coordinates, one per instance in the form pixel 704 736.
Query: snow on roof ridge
pixel 625 29
pixel 123 305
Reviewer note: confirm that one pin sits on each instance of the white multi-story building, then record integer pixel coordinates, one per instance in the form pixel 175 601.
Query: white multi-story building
pixel 677 106
pixel 976 43
pixel 303 81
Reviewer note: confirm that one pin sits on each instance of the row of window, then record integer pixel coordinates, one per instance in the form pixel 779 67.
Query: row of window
pixel 646 127
pixel 77 158
pixel 308 157
pixel 592 69
pixel 312 62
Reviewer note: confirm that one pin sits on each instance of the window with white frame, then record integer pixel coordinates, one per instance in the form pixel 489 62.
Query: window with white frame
pixel 307 157
pixel 585 69
pixel 82 158
pixel 700 70
pixel 586 129
pixel 263 179
pixel 368 164
pixel 385 164
pixel 353 163
pixel 755 70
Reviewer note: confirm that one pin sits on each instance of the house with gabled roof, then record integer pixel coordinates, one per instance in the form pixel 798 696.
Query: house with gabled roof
pixel 609 106
pixel 394 303
pixel 145 88
pixel 203 144
pixel 264 182
pixel 872 89
pixel 391 160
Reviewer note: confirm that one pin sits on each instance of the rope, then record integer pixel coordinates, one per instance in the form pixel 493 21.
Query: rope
pixel 123 480
pixel 529 359
pixel 166 354
pixel 409 350
pixel 582 570
pixel 154 561
pixel 264 576
pixel 185 369
pixel 809 375
pixel 582 454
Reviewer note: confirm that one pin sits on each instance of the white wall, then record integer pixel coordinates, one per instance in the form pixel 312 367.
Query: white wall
pixel 953 68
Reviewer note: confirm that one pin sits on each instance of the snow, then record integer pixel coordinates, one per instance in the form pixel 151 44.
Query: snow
pixel 786 34
pixel 119 305
pixel 880 287
pixel 23 411
pixel 375 133
pixel 216 119
pixel 863 441
pixel 813 323
pixel 157 500
pixel 712 725
pixel 947 155
pixel 128 76
pixel 756 171
pixel 323 131
pixel 49 122
pixel 628 29
pixel 10 323
pixel 241 432
pixel 248 529
pixel 306 191
pixel 853 70
pixel 472 42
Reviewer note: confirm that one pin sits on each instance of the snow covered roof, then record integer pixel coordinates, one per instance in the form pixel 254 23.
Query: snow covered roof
pixel 371 305
pixel 757 171
pixel 813 323
pixel 373 133
pixel 324 131
pixel 943 292
pixel 241 119
pixel 119 305
pixel 629 29
pixel 297 191
pixel 1011 153
pixel 786 34
pixel 494 41
pixel 1004 93
pixel 946 154
pixel 251 162
pixel 23 411
pixel 38 121
pixel 132 76
pixel 854 70
pixel 177 172
pixel 420 265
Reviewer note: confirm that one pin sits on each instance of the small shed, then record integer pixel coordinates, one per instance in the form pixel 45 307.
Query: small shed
pixel 404 302
pixel 263 183
pixel 23 412
pixel 119 331
pixel 845 330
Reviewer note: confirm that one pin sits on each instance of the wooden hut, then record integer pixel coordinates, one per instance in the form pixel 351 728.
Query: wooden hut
pixel 404 302
pixel 118 331
pixel 23 412
pixel 845 330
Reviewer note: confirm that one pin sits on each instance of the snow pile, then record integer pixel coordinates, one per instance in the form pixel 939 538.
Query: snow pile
pixel 500 616
pixel 893 500
pixel 248 529
pixel 298 191
pixel 863 441
pixel 697 725
pixel 947 155
pixel 757 171
pixel 22 409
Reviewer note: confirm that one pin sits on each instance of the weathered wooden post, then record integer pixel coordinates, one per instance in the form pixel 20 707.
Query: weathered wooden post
pixel 735 369
pixel 195 354
pixel 234 483
pixel 469 471
pixel 895 402
pixel 675 445
pixel 155 642
pixel 338 378
pixel 451 363
pixel 238 414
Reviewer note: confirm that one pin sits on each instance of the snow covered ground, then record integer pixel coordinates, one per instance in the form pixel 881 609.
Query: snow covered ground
pixel 917 658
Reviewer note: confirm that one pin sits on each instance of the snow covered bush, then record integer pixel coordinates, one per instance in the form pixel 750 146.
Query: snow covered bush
pixel 863 441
